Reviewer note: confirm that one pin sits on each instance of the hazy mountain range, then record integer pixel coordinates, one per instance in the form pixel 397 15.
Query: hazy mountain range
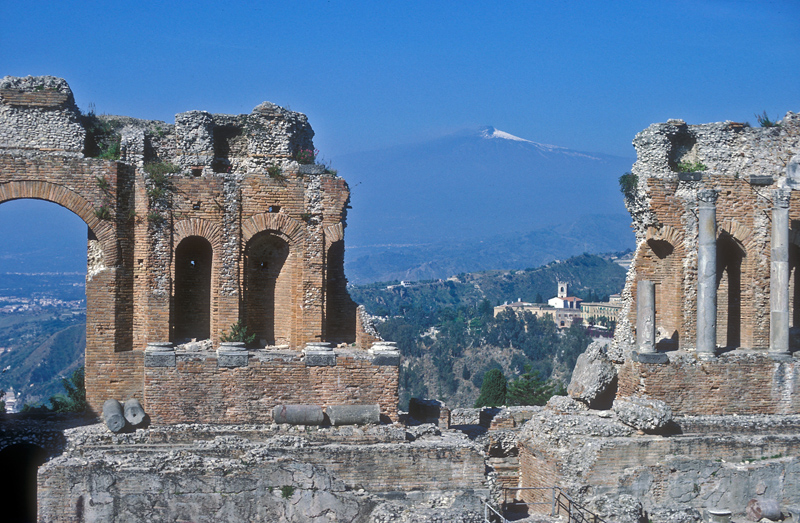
pixel 478 200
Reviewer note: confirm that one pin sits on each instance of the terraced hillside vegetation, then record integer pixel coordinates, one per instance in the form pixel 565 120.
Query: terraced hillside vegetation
pixel 450 338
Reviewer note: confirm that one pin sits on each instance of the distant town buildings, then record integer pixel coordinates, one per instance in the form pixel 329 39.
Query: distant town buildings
pixel 566 310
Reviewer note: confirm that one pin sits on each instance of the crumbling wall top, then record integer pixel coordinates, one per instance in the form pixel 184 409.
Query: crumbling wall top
pixel 38 116
pixel 729 148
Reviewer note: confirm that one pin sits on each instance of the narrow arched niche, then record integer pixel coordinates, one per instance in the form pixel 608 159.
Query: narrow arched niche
pixel 730 256
pixel 191 302
pixel 267 289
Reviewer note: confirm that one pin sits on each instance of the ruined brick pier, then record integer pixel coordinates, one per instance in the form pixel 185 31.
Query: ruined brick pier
pixel 193 227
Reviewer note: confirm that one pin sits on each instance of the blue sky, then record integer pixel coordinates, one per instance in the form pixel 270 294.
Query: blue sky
pixel 584 75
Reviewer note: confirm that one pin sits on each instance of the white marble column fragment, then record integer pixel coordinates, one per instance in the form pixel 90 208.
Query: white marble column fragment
pixel 646 317
pixel 779 274
pixel 707 273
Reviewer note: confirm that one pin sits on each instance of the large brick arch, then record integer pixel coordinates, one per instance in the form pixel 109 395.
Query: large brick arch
pixel 58 194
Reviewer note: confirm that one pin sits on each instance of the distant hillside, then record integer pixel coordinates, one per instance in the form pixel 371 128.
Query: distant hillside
pixel 590 233
pixel 39 348
pixel 449 338
pixel 585 273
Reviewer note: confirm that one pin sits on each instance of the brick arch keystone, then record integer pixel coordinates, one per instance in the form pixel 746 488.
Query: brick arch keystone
pixel 286 225
pixel 198 227
pixel 738 232
pixel 58 194
pixel 666 233
pixel 332 234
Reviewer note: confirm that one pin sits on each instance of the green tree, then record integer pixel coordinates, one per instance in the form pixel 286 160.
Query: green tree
pixel 532 389
pixel 75 399
pixel 493 390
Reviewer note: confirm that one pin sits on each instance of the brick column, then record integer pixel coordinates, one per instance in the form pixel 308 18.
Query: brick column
pixel 779 275
pixel 707 273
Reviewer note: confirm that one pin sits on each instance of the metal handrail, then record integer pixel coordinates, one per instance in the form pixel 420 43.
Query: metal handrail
pixel 560 500
pixel 488 510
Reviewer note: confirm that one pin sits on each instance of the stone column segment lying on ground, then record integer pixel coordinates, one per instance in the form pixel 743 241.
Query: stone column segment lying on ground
pixel 298 414
pixel 134 412
pixel 779 274
pixel 707 273
pixel 354 414
pixel 113 415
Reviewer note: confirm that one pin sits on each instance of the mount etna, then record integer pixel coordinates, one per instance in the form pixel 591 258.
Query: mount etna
pixel 478 200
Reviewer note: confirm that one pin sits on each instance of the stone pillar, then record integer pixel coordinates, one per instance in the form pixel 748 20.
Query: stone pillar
pixel 646 317
pixel 707 273
pixel 779 275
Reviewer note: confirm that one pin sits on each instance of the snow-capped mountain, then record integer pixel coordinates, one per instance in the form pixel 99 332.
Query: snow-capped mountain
pixel 474 185
pixel 490 132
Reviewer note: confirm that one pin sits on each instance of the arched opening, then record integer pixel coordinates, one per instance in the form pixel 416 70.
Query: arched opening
pixel 664 268
pixel 730 255
pixel 43 265
pixel 19 464
pixel 267 289
pixel 340 309
pixel 191 299
pixel 794 295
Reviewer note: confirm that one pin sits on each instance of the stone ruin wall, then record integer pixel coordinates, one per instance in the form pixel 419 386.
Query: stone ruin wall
pixel 221 223
pixel 261 473
pixel 665 428
pixel 746 165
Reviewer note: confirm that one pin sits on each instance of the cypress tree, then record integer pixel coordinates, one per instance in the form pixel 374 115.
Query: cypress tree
pixel 493 390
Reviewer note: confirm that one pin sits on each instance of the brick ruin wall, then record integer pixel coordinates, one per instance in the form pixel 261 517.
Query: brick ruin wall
pixel 740 384
pixel 198 225
pixel 198 390
pixel 745 165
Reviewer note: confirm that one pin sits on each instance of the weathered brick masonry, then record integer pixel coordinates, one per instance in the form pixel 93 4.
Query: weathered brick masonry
pixel 198 225
pixel 748 176
pixel 196 389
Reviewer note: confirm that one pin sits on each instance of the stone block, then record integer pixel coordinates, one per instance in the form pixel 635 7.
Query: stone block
pixel 159 358
pixel 320 359
pixel 353 414
pixel 232 358
pixel 593 376
pixel 643 414
pixel 650 357
pixel 690 177
pixel 760 179
pixel 388 358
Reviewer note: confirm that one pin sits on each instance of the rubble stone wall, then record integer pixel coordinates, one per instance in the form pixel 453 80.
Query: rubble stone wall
pixel 262 474
pixel 715 464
